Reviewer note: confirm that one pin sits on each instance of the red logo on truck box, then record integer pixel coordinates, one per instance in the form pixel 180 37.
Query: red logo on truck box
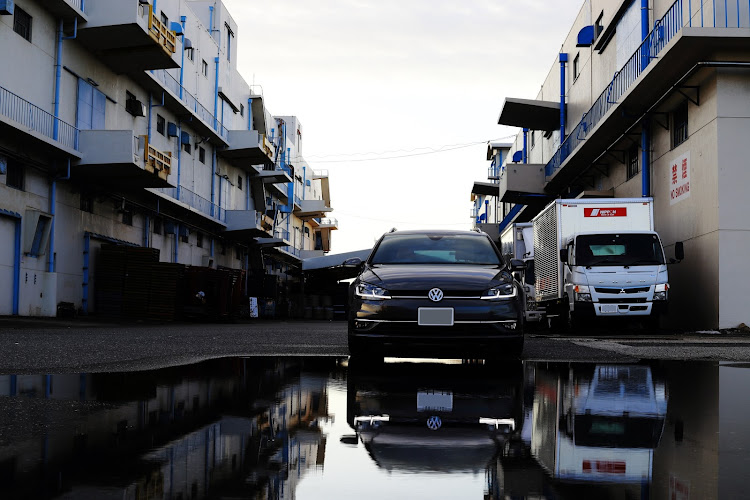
pixel 606 212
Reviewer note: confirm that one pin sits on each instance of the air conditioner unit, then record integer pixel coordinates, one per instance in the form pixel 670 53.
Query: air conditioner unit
pixel 171 129
pixel 135 107
pixel 208 261
pixel 185 138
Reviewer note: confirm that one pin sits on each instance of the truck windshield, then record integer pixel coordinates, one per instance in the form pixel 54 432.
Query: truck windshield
pixel 618 250
pixel 436 249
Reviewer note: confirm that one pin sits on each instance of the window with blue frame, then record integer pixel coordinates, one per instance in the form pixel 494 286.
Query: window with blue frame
pixel 92 106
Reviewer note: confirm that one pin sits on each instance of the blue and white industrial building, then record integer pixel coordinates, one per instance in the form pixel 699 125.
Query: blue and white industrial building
pixel 127 121
pixel 647 98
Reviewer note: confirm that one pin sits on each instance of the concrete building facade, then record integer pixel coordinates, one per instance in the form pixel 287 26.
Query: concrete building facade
pixel 127 122
pixel 649 98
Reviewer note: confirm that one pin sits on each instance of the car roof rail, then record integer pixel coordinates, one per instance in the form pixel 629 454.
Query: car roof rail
pixel 393 230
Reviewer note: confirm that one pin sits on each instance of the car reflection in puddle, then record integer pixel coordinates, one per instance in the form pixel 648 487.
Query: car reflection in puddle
pixel 320 428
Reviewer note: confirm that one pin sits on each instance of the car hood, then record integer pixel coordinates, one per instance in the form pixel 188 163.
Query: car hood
pixel 424 277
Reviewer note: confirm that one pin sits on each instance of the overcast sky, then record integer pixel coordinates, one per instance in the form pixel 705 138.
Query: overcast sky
pixel 397 80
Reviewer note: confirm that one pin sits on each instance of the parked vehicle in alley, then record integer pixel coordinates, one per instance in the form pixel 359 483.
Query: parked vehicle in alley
pixel 599 257
pixel 421 291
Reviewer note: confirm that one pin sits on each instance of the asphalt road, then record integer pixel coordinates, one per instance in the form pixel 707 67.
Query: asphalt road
pixel 51 346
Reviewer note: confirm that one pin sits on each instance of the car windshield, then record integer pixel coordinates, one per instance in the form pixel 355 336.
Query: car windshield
pixel 436 249
pixel 618 250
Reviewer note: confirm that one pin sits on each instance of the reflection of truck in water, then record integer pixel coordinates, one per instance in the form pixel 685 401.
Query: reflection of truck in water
pixel 602 427
pixel 592 257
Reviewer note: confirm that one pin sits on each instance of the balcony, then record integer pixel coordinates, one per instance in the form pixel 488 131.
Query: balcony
pixel 522 183
pixel 120 159
pixel 322 175
pixel 325 223
pixel 183 103
pixel 192 203
pixel 249 222
pixel 247 148
pixel 691 38
pixel 32 128
pixel 67 9
pixel 127 36
pixel 312 208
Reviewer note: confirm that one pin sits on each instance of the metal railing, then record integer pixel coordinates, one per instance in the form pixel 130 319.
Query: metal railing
pixel 196 201
pixel 720 14
pixel 35 118
pixel 292 250
pixel 190 102
pixel 281 233
pixel 78 4
pixel 328 221
pixel 319 174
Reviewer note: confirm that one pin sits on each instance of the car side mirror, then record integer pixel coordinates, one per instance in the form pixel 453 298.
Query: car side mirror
pixel 564 255
pixel 354 262
pixel 679 251
pixel 517 265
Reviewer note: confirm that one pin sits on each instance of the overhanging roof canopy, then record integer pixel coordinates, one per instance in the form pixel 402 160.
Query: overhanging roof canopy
pixel 530 114
pixel 495 146
pixel 486 189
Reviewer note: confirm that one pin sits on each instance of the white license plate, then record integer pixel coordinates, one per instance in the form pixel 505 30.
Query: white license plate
pixel 434 400
pixel 609 308
pixel 435 316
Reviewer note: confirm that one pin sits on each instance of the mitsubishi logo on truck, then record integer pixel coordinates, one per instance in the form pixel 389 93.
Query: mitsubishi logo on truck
pixel 606 212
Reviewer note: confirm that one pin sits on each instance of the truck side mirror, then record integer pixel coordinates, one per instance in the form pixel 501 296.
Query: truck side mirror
pixel 679 251
pixel 517 265
pixel 564 255
pixel 354 262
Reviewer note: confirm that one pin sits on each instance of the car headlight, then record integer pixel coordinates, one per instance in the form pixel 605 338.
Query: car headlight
pixel 506 291
pixel 583 294
pixel 371 292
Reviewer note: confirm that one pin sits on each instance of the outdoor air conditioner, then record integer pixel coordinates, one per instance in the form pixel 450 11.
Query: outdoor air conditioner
pixel 171 129
pixel 208 261
pixel 135 107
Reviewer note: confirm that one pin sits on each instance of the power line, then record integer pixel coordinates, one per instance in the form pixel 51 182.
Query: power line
pixel 390 221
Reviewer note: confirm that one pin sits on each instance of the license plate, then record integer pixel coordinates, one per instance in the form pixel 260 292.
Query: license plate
pixel 435 316
pixel 434 400
pixel 609 308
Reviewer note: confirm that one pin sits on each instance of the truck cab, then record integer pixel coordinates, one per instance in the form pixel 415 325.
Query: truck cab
pixel 615 274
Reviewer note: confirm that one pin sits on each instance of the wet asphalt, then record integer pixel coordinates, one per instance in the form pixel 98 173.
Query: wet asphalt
pixel 71 346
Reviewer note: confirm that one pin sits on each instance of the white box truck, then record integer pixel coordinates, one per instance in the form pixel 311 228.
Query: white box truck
pixel 517 242
pixel 599 257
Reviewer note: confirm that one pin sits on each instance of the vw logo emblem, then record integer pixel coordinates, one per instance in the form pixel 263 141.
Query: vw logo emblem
pixel 435 295
pixel 434 423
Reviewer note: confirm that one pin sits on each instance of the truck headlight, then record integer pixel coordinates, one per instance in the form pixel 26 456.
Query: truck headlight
pixel 660 291
pixel 583 294
pixel 506 291
pixel 371 292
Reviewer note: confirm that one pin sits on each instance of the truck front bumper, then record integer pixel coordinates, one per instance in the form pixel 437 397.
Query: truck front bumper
pixel 620 309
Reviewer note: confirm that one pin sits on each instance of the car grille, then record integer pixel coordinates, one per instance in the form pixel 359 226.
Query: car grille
pixel 641 289
pixel 422 294
pixel 624 300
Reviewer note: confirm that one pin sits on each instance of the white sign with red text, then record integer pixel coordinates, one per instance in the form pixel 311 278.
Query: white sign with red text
pixel 679 179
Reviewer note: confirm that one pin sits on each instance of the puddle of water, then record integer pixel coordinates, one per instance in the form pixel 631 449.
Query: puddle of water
pixel 320 428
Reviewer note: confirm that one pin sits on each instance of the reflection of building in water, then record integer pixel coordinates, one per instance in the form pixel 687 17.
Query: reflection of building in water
pixel 183 432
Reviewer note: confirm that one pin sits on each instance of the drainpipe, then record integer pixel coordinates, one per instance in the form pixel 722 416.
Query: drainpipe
pixel 290 189
pixel 216 93
pixel 525 148
pixel 212 248
pixel 148 129
pixel 58 76
pixel 179 155
pixel 645 157
pixel 563 60
pixel 176 252
pixel 52 203
pixel 250 114
pixel 213 178
pixel 86 255
pixel 147 232
pixel 247 192
pixel 645 161
pixel 183 19
pixel 486 210
pixel 304 182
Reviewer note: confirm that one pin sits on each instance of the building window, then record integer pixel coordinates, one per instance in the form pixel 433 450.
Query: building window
pixel 127 217
pixel 92 107
pixel 223 248
pixel 187 148
pixel 680 124
pixel 632 158
pixel 239 182
pixel 201 154
pixel 576 67
pixel 533 141
pixel 158 225
pixel 22 23
pixel 204 68
pixel 87 203
pixel 164 19
pixel 242 110
pixel 185 237
pixel 238 253
pixel 160 124
pixel 15 175
pixel 199 239
pixel 190 53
